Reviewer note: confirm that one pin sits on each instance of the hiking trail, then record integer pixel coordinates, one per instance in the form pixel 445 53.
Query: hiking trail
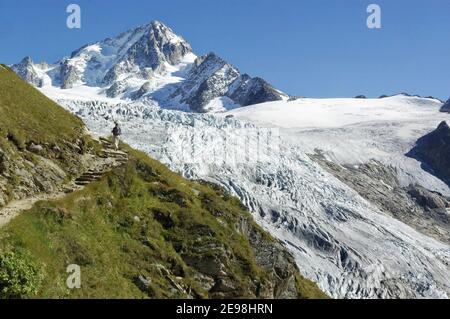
pixel 108 160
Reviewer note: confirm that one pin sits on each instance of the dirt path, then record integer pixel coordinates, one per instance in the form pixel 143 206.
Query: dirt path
pixel 14 208
pixel 110 159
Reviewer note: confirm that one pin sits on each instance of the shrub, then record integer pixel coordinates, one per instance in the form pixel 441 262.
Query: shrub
pixel 20 277
pixel 17 138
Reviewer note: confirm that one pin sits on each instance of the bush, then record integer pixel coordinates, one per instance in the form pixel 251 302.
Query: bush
pixel 20 277
pixel 17 138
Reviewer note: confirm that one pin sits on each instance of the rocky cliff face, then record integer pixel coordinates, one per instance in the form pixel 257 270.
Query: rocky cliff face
pixel 27 70
pixel 211 78
pixel 446 107
pixel 248 91
pixel 159 45
pixel 152 63
pixel 434 151
pixel 273 257
pixel 155 50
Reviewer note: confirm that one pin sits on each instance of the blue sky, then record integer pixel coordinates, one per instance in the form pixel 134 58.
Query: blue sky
pixel 314 48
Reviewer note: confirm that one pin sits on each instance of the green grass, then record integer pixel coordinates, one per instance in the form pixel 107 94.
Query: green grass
pixel 27 119
pixel 27 115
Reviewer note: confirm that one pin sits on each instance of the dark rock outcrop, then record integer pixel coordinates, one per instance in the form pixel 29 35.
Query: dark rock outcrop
pixel 253 91
pixel 433 150
pixel 116 89
pixel 446 107
pixel 144 89
pixel 156 47
pixel 212 77
pixel 428 199
pixel 275 259
pixel 68 75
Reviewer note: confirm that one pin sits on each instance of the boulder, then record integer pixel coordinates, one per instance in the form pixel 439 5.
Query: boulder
pixel 35 148
pixel 427 199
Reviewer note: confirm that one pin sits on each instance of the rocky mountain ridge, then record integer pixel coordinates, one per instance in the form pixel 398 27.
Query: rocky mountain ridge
pixel 152 63
pixel 446 107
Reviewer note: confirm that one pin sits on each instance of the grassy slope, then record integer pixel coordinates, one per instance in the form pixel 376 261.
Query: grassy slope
pixel 141 220
pixel 29 118
pixel 138 217
pixel 24 108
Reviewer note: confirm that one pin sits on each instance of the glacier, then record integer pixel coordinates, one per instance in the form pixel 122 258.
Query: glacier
pixel 340 240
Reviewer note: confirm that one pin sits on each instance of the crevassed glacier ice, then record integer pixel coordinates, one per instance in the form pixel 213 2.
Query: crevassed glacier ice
pixel 339 239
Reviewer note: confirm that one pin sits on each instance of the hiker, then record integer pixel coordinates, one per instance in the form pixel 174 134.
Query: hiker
pixel 116 133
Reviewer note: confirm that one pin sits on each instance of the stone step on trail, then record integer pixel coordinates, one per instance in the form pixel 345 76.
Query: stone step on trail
pixel 106 143
pixel 94 172
pixel 104 140
pixel 83 183
pixel 118 157
pixel 114 151
pixel 88 178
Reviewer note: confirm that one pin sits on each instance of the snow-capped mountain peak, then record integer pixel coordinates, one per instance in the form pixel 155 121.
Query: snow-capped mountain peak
pixel 154 51
pixel 154 65
pixel 31 72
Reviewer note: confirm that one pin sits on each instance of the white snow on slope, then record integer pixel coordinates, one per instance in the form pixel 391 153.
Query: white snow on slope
pixel 221 104
pixel 339 239
pixel 355 131
pixel 334 113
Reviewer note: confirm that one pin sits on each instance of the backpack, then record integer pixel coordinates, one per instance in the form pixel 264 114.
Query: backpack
pixel 117 131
